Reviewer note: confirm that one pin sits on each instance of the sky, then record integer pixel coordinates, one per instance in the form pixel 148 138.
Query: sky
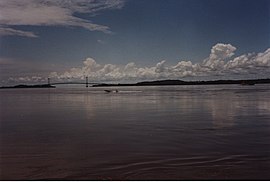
pixel 133 40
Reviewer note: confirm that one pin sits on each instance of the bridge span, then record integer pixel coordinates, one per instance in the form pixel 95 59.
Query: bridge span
pixel 74 83
pixel 86 83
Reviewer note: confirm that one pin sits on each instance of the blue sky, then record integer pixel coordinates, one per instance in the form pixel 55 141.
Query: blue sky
pixel 143 32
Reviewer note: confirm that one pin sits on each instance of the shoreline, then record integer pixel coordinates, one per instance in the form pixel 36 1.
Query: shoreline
pixel 180 82
pixel 154 83
pixel 29 86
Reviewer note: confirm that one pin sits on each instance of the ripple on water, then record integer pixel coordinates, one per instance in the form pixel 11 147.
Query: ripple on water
pixel 192 167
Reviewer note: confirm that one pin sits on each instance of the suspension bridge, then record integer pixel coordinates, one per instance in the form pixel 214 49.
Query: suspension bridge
pixel 86 83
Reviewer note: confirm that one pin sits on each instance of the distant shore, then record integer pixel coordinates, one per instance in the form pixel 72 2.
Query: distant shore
pixel 180 82
pixel 155 83
pixel 29 86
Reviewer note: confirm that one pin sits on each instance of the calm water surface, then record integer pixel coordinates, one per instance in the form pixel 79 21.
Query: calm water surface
pixel 169 132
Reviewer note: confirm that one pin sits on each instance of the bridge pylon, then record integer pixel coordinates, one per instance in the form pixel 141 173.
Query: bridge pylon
pixel 86 81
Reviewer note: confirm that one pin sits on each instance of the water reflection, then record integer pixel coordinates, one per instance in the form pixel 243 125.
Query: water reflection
pixel 138 133
pixel 223 111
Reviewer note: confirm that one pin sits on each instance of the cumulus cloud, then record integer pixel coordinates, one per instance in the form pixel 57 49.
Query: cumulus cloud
pixel 220 62
pixel 219 53
pixel 52 13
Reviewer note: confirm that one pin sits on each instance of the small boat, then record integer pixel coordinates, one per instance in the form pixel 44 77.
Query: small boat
pixel 109 91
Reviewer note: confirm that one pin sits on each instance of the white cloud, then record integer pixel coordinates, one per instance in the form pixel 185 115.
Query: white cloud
pixel 26 79
pixel 11 31
pixel 52 13
pixel 219 53
pixel 14 71
pixel 222 51
pixel 219 63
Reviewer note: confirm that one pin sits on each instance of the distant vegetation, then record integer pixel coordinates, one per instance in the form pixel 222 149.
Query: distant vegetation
pixel 29 86
pixel 180 82
pixel 156 83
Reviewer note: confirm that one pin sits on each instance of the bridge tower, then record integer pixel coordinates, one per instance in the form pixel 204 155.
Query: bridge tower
pixel 86 83
pixel 49 81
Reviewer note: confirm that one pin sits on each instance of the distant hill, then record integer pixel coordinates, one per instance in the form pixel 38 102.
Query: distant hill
pixel 29 86
pixel 157 83
pixel 180 82
pixel 162 82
